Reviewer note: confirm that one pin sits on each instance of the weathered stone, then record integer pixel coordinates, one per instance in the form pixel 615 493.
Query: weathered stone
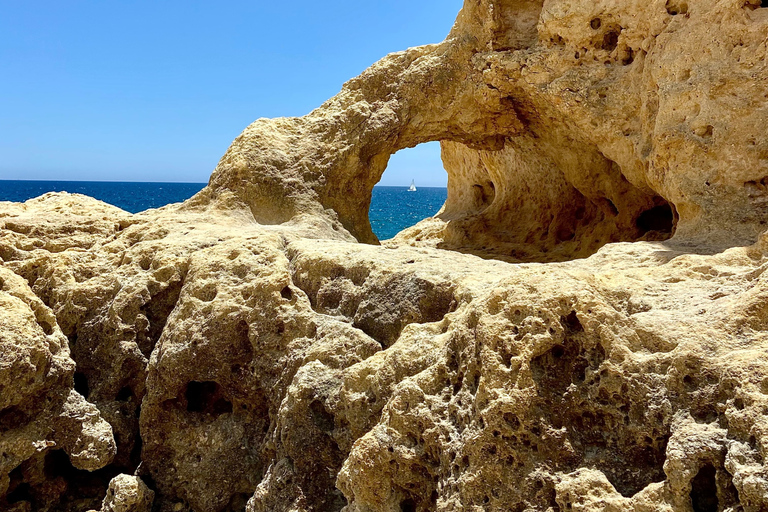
pixel 606 352
pixel 127 493
pixel 40 413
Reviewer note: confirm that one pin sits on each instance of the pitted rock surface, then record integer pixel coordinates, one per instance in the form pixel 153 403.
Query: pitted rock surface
pixel 583 326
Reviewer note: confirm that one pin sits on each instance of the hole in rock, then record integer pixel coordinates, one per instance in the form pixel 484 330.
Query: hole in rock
pixel 611 40
pixel 145 263
pixel 484 194
pixel 286 293
pixel 207 397
pixel 45 325
pixel 23 492
pixel 675 7
pixel 628 58
pixel 490 210
pixel 512 420
pixel 50 482
pixel 571 323
pixel 659 218
pixel 705 132
pixel 610 207
pixel 394 207
pixel 704 490
pixel 135 456
pixel 124 394
pixel 238 502
pixel 704 413
pixel 81 384
pixel 57 464
pixel 408 505
pixel 757 188
pixel 321 417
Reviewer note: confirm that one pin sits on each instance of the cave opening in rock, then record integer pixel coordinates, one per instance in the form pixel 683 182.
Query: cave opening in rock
pixel 408 505
pixel 394 206
pixel 12 417
pixel 81 384
pixel 659 218
pixel 124 394
pixel 704 490
pixel 514 199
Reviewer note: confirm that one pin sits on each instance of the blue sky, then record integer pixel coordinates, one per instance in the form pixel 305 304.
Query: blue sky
pixel 156 91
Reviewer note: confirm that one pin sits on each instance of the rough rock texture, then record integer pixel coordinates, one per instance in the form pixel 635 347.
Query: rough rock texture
pixel 47 429
pixel 582 327
pixel 127 494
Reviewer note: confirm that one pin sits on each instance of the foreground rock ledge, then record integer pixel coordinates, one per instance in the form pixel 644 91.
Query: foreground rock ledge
pixel 582 326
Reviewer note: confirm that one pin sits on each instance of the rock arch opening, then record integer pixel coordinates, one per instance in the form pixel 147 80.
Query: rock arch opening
pixel 534 200
pixel 525 183
pixel 412 188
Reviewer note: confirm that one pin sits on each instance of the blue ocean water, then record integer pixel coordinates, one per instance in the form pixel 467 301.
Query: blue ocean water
pixel 395 208
pixel 130 196
pixel 392 208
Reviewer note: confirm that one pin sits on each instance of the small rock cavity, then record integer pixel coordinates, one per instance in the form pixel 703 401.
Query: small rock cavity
pixel 207 398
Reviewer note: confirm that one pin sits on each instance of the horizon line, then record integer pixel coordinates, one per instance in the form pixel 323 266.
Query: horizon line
pixel 172 182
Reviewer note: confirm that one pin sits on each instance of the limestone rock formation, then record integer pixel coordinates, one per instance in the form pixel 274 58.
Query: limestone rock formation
pixel 582 327
pixel 47 428
pixel 127 494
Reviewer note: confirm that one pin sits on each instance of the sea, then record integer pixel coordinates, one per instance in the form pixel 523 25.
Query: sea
pixel 392 208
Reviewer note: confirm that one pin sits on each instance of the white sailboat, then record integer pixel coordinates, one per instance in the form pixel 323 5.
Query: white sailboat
pixel 413 186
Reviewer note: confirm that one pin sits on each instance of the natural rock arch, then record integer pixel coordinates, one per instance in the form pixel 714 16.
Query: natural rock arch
pixel 323 374
pixel 577 111
pixel 333 157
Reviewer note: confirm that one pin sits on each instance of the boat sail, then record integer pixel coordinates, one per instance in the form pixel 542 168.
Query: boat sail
pixel 413 186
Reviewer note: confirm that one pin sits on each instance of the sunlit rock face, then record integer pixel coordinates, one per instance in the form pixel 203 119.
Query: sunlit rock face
pixel 581 327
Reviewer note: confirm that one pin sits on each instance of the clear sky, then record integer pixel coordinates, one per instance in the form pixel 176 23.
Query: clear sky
pixel 157 90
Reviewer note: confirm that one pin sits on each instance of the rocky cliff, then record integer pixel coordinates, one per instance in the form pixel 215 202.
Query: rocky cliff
pixel 583 326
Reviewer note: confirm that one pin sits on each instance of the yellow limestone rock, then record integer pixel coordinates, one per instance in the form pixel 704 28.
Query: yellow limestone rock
pixel 127 494
pixel 45 425
pixel 583 326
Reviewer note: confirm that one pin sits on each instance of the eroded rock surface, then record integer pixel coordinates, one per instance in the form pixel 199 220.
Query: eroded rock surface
pixel 49 431
pixel 582 326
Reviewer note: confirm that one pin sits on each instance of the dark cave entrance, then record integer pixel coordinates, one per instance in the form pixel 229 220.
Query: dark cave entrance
pixel 660 219
pixel 704 490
